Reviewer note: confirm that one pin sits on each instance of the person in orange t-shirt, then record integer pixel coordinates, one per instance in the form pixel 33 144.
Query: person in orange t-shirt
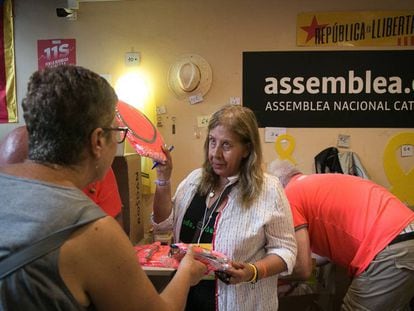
pixel 14 149
pixel 356 224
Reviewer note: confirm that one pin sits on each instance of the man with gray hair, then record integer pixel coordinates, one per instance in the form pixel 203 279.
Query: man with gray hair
pixel 357 224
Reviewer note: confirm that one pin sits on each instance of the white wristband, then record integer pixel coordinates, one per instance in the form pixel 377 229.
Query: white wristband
pixel 162 183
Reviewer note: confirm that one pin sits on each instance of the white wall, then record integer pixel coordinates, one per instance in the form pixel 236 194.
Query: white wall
pixel 162 30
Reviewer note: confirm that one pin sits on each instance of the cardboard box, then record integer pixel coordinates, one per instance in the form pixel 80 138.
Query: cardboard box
pixel 127 169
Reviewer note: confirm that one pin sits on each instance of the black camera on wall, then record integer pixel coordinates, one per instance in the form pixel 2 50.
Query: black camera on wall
pixel 63 12
pixel 68 13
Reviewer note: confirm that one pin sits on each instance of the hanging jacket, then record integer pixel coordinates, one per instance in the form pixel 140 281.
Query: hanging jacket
pixel 330 160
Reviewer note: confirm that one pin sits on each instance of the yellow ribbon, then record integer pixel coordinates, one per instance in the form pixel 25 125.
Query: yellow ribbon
pixel 402 183
pixel 285 153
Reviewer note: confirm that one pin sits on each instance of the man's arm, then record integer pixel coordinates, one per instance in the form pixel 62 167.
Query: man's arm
pixel 303 266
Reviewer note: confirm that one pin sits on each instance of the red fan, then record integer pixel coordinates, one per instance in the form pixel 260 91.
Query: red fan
pixel 142 135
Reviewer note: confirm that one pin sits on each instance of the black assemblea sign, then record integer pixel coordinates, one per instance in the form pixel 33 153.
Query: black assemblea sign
pixel 330 88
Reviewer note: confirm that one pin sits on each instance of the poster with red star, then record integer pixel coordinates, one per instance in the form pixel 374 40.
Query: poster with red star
pixel 363 28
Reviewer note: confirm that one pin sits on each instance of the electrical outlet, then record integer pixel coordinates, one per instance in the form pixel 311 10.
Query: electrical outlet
pixel 202 121
pixel 161 110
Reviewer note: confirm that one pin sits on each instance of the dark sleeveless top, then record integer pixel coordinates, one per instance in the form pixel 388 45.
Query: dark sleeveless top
pixel 194 216
pixel 201 296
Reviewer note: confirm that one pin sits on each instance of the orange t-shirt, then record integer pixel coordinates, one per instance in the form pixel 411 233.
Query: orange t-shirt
pixel 349 219
pixel 105 193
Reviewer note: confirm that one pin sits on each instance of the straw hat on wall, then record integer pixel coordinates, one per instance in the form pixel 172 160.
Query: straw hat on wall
pixel 190 75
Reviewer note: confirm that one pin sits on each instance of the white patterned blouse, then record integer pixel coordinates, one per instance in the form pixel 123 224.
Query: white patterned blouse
pixel 244 235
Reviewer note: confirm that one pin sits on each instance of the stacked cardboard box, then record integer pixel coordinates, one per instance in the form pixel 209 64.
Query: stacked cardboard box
pixel 127 169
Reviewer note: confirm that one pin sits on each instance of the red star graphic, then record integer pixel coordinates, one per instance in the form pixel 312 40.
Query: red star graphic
pixel 311 29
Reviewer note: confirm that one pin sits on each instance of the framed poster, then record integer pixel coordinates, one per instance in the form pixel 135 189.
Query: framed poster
pixel 355 28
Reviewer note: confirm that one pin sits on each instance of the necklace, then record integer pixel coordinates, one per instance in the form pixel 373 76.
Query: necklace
pixel 212 193
pixel 207 216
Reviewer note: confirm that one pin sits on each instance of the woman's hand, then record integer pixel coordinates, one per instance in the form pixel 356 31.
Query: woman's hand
pixel 240 273
pixel 162 197
pixel 164 169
